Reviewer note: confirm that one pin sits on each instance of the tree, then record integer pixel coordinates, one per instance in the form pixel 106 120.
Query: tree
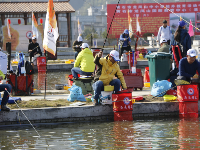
pixel 110 37
pixel 87 34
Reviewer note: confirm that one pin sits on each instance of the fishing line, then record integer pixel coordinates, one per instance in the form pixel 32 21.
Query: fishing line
pixel 110 23
pixel 176 14
pixel 133 33
pixel 23 113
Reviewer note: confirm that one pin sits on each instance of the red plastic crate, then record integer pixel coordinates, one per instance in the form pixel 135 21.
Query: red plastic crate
pixel 125 71
pixel 122 102
pixel 188 109
pixel 123 116
pixel 134 81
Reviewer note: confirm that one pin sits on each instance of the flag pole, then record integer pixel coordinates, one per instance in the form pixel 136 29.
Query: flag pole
pixel 45 82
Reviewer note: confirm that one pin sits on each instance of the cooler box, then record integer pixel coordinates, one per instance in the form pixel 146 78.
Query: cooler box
pixel 85 84
pixel 122 102
pixel 123 116
pixel 188 93
pixel 188 109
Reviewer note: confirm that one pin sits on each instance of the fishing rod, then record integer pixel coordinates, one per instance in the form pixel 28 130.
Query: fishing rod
pixel 110 23
pixel 23 113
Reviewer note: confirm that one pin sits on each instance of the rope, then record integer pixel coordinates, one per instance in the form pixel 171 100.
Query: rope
pixel 176 14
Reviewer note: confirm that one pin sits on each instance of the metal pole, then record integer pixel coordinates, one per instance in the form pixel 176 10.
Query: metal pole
pixel 91 41
pixel 45 75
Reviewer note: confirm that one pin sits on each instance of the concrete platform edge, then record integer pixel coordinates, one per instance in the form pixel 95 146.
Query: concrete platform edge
pixel 87 113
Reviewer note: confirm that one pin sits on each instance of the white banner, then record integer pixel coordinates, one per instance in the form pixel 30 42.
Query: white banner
pixel 20 35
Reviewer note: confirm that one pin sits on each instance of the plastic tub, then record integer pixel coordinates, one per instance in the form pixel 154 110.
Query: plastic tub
pixel 168 98
pixel 59 86
pixel 108 88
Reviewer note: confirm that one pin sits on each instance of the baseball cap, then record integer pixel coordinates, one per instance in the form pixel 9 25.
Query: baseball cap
pixel 33 38
pixel 182 23
pixel 84 45
pixel 163 41
pixel 115 55
pixel 191 52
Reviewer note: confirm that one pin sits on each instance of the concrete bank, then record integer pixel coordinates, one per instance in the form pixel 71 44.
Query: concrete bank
pixel 87 113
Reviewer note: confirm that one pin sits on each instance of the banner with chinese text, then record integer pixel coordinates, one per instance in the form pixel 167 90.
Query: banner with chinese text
pixel 151 16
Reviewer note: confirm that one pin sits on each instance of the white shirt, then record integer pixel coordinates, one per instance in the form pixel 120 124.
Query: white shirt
pixel 164 33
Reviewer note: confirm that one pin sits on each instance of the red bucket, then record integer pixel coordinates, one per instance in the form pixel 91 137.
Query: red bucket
pixel 188 93
pixel 41 61
pixel 95 51
pixel 188 109
pixel 122 102
pixel 123 116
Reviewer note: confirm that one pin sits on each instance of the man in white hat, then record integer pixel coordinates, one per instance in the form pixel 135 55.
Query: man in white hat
pixel 34 48
pixel 84 64
pixel 77 45
pixel 107 70
pixel 164 46
pixel 189 65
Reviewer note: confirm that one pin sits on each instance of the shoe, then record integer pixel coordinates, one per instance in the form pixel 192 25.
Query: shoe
pixel 95 103
pixel 4 108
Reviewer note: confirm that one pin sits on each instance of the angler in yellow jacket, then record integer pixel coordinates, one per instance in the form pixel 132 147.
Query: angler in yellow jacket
pixel 107 70
pixel 84 64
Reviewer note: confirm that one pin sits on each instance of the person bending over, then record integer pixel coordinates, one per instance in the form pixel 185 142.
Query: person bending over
pixel 84 64
pixel 107 70
pixel 126 42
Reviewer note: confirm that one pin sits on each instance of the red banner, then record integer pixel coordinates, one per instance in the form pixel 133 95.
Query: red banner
pixel 151 16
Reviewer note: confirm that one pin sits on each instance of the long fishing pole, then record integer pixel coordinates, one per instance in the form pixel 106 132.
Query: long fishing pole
pixel 23 113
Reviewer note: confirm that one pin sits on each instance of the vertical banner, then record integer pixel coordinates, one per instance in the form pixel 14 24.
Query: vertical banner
pixel 51 30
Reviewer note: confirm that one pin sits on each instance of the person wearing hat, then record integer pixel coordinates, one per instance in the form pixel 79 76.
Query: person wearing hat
pixel 34 48
pixel 182 37
pixel 77 45
pixel 84 64
pixel 125 42
pixel 164 32
pixel 189 65
pixel 107 70
pixel 164 46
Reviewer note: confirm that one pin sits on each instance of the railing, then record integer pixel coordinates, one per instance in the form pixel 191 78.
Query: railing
pixel 63 38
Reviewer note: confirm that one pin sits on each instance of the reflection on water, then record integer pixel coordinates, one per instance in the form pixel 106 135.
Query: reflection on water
pixel 140 134
pixel 52 79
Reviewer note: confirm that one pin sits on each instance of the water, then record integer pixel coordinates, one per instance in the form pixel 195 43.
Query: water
pixel 139 134
pixel 52 79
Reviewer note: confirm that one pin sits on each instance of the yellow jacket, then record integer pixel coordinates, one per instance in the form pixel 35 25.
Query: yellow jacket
pixel 108 72
pixel 84 60
pixel 2 75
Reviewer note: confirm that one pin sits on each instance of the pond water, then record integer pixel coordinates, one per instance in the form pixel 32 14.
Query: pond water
pixel 139 134
pixel 52 79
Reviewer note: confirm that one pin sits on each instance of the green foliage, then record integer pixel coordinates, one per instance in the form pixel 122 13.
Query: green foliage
pixel 87 34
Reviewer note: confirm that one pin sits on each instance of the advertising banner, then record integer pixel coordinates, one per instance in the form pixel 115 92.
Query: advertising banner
pixel 20 35
pixel 151 16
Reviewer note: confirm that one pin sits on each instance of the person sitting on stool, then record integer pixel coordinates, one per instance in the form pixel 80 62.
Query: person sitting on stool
pixel 77 46
pixel 84 64
pixel 164 46
pixel 125 39
pixel 188 66
pixel 34 48
pixel 107 70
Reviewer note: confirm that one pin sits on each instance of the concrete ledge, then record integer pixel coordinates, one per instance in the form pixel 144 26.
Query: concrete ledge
pixel 87 113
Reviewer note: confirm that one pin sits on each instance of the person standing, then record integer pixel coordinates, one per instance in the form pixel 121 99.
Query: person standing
pixel 34 48
pixel 164 33
pixel 77 45
pixel 125 42
pixel 182 37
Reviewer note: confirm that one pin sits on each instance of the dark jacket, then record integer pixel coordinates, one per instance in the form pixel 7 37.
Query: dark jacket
pixel 76 46
pixel 31 46
pixel 186 42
